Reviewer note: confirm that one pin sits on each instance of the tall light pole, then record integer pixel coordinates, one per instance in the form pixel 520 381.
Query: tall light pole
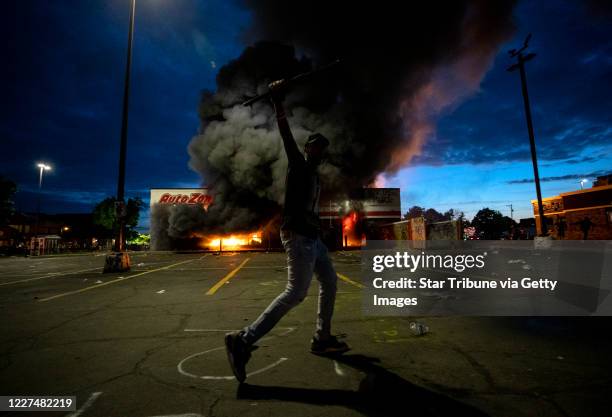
pixel 42 167
pixel 120 260
pixel 520 65
pixel 582 182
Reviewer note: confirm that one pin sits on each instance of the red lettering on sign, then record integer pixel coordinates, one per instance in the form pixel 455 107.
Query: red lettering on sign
pixel 194 198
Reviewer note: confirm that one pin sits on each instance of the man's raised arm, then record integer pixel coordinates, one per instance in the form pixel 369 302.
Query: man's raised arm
pixel 293 153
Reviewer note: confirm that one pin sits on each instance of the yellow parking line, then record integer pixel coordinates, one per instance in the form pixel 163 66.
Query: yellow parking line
pixel 350 281
pixel 50 275
pixel 226 278
pixel 91 287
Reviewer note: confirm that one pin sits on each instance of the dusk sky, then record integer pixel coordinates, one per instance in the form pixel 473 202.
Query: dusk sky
pixel 63 76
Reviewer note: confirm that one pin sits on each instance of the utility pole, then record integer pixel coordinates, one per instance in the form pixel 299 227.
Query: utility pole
pixel 511 211
pixel 119 261
pixel 520 65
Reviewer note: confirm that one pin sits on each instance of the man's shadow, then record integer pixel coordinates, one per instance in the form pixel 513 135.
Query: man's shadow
pixel 380 393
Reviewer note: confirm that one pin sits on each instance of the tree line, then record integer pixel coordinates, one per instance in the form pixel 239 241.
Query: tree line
pixel 104 213
pixel 490 224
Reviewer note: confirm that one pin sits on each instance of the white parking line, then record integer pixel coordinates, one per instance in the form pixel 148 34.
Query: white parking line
pixel 51 275
pixel 182 371
pixel 85 406
pixel 53 297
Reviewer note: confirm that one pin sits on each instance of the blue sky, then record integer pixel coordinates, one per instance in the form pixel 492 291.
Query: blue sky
pixel 481 150
pixel 65 77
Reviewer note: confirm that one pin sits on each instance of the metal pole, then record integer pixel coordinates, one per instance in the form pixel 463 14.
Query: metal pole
pixel 534 159
pixel 40 177
pixel 120 243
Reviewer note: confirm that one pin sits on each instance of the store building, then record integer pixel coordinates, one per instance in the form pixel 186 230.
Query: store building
pixel 580 214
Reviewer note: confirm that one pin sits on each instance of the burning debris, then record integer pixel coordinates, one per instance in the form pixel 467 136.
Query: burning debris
pixel 350 233
pixel 234 241
pixel 402 66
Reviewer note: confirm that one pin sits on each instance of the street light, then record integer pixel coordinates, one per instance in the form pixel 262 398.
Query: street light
pixel 582 182
pixel 42 167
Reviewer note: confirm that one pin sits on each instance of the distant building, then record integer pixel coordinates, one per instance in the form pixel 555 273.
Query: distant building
pixel 349 222
pixel 603 180
pixel 580 214
pixel 345 222
pixel 9 238
pixel 526 228
pixel 418 228
pixel 52 233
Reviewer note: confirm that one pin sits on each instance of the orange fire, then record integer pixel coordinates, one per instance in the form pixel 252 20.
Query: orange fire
pixel 234 241
pixel 349 234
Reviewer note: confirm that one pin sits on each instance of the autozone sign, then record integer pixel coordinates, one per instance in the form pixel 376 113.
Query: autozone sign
pixel 187 196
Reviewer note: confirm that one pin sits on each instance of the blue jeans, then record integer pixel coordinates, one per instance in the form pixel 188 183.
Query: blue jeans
pixel 305 257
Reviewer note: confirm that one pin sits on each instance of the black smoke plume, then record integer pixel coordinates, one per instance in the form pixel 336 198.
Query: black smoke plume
pixel 403 65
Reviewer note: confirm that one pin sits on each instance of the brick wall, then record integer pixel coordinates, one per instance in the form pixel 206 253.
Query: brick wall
pixel 600 230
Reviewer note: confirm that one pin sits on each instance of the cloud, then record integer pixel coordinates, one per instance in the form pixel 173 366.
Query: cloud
pixel 378 107
pixel 569 96
pixel 591 175
pixel 63 85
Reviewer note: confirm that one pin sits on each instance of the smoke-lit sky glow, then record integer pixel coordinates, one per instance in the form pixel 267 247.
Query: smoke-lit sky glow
pixel 64 83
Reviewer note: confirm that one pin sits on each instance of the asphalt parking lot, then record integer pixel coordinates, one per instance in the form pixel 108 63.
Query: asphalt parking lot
pixel 150 343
